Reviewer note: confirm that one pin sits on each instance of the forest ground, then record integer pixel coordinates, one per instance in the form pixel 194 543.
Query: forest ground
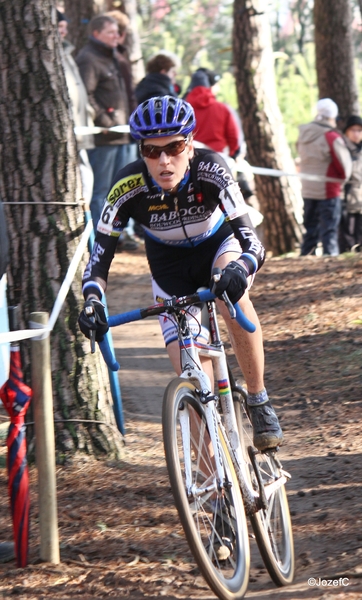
pixel 120 536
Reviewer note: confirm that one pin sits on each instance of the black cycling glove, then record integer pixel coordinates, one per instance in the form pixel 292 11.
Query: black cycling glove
pixel 95 321
pixel 233 281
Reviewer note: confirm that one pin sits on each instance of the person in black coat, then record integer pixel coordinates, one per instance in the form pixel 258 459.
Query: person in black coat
pixel 160 79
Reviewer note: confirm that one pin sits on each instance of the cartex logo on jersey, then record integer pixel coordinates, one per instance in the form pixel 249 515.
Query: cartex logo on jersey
pixel 158 207
pixel 130 184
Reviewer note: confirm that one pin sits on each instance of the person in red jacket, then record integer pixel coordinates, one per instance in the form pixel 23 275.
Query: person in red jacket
pixel 216 126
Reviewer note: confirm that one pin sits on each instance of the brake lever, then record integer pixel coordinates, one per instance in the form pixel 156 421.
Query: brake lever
pixel 89 311
pixel 216 276
pixel 229 305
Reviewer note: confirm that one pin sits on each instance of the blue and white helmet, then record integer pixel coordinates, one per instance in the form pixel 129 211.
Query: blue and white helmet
pixel 162 116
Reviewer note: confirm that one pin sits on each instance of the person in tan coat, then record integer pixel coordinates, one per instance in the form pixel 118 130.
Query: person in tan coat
pixel 323 153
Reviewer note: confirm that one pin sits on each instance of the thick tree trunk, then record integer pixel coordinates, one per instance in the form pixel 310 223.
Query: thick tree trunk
pixel 280 198
pixel 334 55
pixel 39 183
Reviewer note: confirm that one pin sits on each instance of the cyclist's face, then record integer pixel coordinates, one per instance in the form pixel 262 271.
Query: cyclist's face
pixel 168 170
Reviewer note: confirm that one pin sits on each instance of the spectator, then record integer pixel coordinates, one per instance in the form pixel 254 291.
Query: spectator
pixel 82 112
pixel 213 78
pixel 215 125
pixel 161 77
pixel 351 222
pixel 103 76
pixel 322 152
pixel 122 54
pixel 128 240
pixel 7 549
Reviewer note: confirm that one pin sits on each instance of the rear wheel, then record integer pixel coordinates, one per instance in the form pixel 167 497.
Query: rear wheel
pixel 272 526
pixel 212 516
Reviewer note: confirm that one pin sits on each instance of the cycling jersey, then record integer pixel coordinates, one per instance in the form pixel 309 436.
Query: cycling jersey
pixel 208 203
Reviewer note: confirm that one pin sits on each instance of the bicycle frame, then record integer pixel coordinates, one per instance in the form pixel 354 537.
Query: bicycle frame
pixel 214 459
pixel 191 351
pixel 191 369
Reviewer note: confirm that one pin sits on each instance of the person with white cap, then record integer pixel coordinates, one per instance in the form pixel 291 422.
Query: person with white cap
pixel 323 153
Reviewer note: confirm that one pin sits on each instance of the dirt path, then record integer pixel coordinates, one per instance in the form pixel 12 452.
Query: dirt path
pixel 120 535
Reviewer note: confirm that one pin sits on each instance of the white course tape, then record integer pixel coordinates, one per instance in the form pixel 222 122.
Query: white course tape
pixel 91 130
pixel 256 170
pixel 42 332
pixel 277 173
pixel 25 334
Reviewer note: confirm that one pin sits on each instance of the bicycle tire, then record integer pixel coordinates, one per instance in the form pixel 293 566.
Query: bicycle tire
pixel 272 527
pixel 207 533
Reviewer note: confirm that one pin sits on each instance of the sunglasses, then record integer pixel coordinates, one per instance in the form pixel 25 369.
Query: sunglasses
pixel 172 149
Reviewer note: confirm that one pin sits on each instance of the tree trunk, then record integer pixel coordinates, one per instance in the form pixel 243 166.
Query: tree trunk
pixel 79 14
pixel 335 56
pixel 133 41
pixel 39 183
pixel 279 197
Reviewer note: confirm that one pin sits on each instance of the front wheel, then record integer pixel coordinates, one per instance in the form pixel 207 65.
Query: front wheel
pixel 272 526
pixel 211 512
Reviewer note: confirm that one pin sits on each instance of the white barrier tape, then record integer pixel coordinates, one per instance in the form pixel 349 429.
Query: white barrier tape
pixel 25 334
pixel 70 274
pixel 21 334
pixel 256 170
pixel 83 130
pixel 277 173
pixel 42 332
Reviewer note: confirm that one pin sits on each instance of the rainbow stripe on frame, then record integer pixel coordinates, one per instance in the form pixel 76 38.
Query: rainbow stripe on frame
pixel 223 386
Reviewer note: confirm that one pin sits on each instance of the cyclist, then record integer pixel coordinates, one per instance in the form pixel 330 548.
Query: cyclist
pixel 194 218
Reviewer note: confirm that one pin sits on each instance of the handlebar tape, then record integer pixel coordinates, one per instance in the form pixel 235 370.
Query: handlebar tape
pixel 206 295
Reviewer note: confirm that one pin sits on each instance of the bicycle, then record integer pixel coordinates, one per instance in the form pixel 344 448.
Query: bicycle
pixel 217 477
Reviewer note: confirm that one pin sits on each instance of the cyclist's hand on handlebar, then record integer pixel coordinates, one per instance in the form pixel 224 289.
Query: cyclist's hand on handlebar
pixel 93 318
pixel 233 281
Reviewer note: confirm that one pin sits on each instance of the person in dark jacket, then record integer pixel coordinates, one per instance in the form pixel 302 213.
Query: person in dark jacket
pixel 104 79
pixel 350 233
pixel 122 54
pixel 160 79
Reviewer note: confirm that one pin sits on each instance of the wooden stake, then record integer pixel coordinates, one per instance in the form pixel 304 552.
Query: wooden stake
pixel 45 441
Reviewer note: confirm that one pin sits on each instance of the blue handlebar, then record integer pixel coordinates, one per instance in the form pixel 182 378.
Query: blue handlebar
pixel 243 320
pixel 136 315
pixel 128 317
pixel 108 355
pixel 206 295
